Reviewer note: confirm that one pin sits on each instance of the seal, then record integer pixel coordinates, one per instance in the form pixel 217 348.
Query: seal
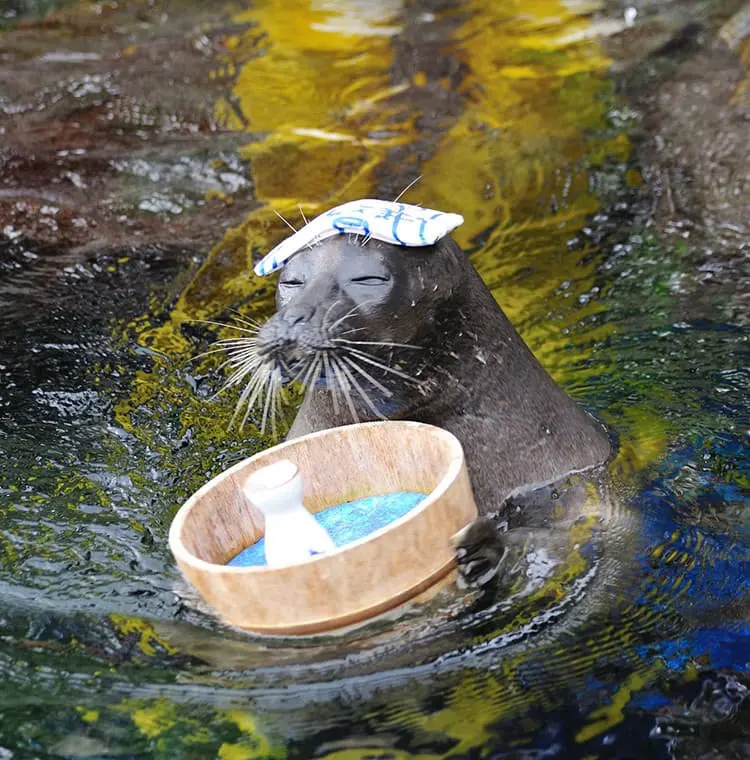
pixel 376 330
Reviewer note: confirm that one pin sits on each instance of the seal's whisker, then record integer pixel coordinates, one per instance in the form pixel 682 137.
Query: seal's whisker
pixel 270 386
pixel 386 343
pixel 267 404
pixel 363 394
pixel 367 358
pixel 350 312
pixel 248 324
pixel 329 376
pixel 238 353
pixel 407 188
pixel 218 393
pixel 207 353
pixel 242 364
pixel 245 356
pixel 257 379
pixel 243 319
pixel 311 370
pixel 300 370
pixel 304 218
pixel 239 371
pixel 241 350
pixel 351 330
pixel 317 372
pixel 240 356
pixel 264 386
pixel 249 336
pixel 236 344
pixel 276 409
pixel 318 369
pixel 269 408
pixel 314 370
pixel 278 394
pixel 249 395
pixel 344 385
pixel 242 341
pixel 292 227
pixel 248 409
pixel 368 376
pixel 344 316
pixel 288 224
pixel 338 389
pixel 328 311
pixel 240 374
pixel 224 324
pixel 234 379
pixel 262 377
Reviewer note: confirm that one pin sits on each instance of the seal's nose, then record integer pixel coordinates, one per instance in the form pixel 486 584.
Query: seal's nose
pixel 297 313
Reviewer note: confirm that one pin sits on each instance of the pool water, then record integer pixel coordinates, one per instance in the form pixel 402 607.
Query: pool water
pixel 598 154
pixel 345 522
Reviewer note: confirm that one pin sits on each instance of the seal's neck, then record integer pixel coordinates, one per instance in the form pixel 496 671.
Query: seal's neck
pixel 505 399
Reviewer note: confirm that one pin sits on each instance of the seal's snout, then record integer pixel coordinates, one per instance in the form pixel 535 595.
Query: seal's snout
pixel 297 313
pixel 293 333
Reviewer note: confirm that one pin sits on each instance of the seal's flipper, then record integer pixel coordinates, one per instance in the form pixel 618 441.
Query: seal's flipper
pixel 480 552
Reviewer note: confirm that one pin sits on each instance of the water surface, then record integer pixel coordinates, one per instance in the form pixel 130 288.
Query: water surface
pixel 145 147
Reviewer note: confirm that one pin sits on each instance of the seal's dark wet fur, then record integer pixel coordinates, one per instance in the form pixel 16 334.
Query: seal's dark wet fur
pixel 469 371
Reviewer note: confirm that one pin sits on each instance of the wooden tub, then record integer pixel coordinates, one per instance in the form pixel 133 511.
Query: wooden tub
pixel 354 582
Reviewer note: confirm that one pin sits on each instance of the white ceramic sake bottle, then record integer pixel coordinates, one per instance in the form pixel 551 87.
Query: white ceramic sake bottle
pixel 292 534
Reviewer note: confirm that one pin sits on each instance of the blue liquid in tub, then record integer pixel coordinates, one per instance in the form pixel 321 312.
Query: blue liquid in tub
pixel 345 522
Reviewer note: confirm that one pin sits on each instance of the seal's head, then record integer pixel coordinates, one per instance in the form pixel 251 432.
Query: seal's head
pixel 341 290
pixel 360 320
pixel 356 295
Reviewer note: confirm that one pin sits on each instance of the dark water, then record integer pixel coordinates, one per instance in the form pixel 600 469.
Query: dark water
pixel 143 148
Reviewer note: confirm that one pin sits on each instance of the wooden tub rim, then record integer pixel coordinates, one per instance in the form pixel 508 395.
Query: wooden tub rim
pixel 452 472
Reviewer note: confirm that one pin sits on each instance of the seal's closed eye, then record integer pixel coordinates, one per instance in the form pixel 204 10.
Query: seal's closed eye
pixel 372 279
